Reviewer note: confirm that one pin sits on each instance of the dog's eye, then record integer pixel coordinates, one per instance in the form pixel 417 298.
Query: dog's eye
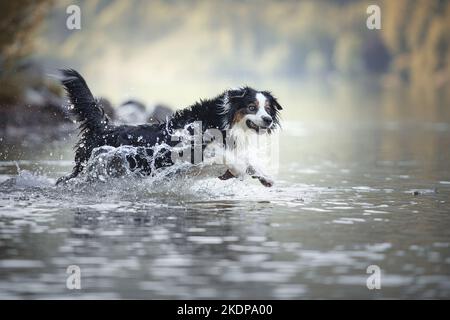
pixel 252 107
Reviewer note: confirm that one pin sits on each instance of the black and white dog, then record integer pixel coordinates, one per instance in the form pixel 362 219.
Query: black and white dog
pixel 246 109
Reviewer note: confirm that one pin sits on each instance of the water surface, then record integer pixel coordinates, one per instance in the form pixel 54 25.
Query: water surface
pixel 348 195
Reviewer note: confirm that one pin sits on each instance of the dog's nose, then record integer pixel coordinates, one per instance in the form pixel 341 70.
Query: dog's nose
pixel 267 120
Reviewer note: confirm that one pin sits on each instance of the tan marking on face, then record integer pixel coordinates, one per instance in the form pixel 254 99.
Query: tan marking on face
pixel 238 116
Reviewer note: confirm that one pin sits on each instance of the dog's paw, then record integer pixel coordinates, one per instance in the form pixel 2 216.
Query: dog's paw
pixel 265 181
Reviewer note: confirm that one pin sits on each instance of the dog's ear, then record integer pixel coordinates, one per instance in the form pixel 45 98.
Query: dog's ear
pixel 273 100
pixel 236 94
pixel 277 105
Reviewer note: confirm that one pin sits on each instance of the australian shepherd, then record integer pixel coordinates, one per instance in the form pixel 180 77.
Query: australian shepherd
pixel 249 110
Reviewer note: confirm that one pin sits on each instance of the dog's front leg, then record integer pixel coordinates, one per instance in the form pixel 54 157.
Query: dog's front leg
pixel 236 167
pixel 258 174
pixel 255 174
pixel 240 167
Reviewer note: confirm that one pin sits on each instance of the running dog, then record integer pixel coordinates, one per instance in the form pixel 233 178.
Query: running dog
pixel 249 110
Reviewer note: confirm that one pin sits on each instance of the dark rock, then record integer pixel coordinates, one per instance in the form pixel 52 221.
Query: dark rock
pixel 159 114
pixel 131 112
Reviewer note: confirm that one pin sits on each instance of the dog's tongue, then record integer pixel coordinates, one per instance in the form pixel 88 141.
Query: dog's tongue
pixel 227 175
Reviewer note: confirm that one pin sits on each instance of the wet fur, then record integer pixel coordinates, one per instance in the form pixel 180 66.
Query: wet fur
pixel 96 129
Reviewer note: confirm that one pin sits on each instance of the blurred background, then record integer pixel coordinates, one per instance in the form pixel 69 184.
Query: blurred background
pixel 174 52
pixel 364 164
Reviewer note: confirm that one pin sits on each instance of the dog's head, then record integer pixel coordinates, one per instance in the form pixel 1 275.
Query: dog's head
pixel 250 109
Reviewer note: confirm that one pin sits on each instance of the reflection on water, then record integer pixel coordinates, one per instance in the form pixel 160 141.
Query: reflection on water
pixel 349 194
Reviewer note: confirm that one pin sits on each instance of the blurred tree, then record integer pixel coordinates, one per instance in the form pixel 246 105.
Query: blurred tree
pixel 396 16
pixel 375 54
pixel 230 39
pixel 417 33
pixel 18 21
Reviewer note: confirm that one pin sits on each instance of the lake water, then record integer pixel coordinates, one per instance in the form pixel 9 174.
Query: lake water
pixel 349 194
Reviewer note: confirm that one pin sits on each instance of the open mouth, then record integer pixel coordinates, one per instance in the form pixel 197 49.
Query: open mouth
pixel 255 127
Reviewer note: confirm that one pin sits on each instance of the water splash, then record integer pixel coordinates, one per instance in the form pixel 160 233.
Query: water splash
pixel 26 179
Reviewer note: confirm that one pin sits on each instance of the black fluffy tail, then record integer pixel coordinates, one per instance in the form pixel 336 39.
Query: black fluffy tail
pixel 86 109
pixel 90 115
